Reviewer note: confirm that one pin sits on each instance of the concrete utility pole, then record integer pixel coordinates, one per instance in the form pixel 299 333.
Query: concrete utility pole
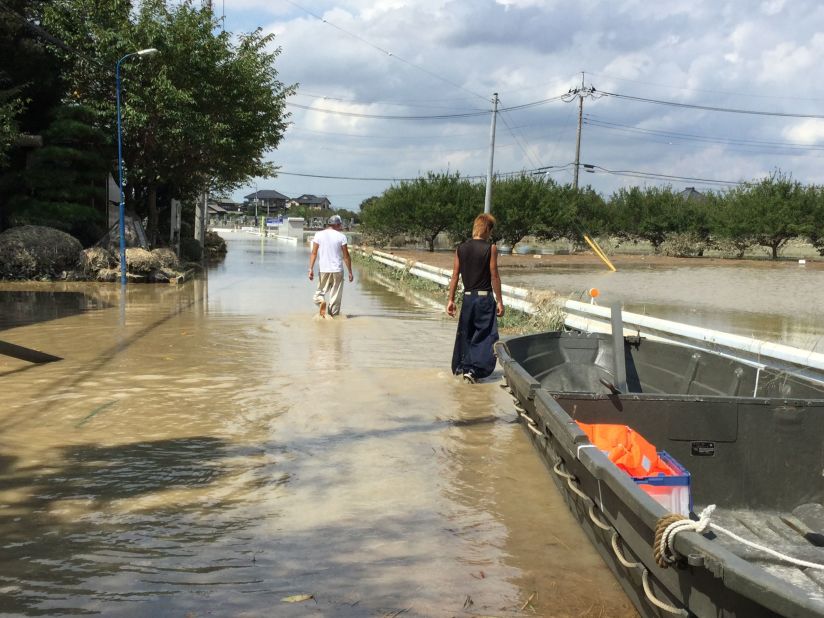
pixel 578 136
pixel 488 196
pixel 580 94
pixel 201 213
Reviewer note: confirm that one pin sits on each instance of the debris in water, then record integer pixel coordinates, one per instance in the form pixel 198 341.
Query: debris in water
pixel 298 598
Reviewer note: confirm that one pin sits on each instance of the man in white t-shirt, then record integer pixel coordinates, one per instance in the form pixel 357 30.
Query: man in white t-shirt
pixel 330 250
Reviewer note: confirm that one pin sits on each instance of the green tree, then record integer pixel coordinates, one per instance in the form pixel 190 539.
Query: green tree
pixel 730 222
pixel 203 113
pixel 424 208
pixel 777 206
pixel 650 214
pixel 65 179
pixel 30 87
pixel 10 108
pixel 814 221
pixel 519 205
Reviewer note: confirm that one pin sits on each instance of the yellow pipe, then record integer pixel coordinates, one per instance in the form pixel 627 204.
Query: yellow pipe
pixel 594 246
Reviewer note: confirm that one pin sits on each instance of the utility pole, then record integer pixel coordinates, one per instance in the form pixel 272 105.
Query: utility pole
pixel 580 94
pixel 488 196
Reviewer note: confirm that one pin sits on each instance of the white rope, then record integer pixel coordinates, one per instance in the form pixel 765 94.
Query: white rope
pixel 530 423
pixel 655 601
pixel 667 549
pixel 620 555
pixel 534 430
pixel 597 521
pixel 569 477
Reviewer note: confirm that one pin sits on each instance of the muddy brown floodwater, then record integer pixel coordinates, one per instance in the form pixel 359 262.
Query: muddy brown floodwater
pixel 213 449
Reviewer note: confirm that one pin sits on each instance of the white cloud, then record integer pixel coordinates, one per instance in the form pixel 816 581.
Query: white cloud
pixel 806 132
pixel 772 7
pixel 450 55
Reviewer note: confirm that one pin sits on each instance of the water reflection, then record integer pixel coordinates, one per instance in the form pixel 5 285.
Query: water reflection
pixel 19 307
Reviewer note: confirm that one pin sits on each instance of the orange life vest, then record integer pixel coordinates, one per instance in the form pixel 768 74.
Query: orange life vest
pixel 627 449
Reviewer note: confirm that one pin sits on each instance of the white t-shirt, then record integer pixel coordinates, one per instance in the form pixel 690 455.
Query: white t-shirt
pixel 330 244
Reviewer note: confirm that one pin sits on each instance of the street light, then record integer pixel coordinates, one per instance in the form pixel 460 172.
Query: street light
pixel 142 52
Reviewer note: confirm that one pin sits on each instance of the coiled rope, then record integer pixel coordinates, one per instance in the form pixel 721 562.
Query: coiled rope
pixel 670 525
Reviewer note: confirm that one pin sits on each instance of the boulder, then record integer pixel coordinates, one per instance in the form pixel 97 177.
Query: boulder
pixel 37 252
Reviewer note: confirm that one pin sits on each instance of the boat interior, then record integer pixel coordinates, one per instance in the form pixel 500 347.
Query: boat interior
pixel 751 438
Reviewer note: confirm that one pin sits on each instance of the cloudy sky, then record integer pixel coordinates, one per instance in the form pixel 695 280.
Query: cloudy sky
pixel 364 67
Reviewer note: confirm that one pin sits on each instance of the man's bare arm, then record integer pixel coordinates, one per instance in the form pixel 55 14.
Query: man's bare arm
pixel 312 257
pixel 453 285
pixel 496 281
pixel 347 259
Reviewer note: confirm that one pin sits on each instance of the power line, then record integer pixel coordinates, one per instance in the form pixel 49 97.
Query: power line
pixel 652 175
pixel 387 52
pixel 414 178
pixel 710 108
pixel 387 116
pixel 593 121
pixel 727 92
pixel 523 148
pixel 414 103
pixel 430 117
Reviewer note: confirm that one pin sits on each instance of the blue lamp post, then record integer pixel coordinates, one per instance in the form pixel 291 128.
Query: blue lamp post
pixel 142 52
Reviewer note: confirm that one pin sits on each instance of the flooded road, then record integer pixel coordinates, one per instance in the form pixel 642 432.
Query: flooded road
pixel 213 449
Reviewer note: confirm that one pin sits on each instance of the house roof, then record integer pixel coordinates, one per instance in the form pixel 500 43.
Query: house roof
pixel 266 194
pixel 217 209
pixel 691 194
pixel 307 198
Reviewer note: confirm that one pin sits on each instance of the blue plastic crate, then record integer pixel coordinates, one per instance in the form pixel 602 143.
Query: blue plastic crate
pixel 673 492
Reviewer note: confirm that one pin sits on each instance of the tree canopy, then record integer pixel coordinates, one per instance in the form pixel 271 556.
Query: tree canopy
pixel 201 114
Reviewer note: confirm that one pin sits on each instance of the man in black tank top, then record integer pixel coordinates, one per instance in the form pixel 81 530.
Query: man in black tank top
pixel 476 261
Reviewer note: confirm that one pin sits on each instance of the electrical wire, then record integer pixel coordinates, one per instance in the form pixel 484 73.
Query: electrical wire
pixel 431 117
pixel 596 122
pixel 519 143
pixel 387 52
pixel 706 90
pixel 652 175
pixel 710 108
pixel 413 178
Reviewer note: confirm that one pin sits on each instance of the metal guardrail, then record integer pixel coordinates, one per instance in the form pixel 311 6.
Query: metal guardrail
pixel 591 317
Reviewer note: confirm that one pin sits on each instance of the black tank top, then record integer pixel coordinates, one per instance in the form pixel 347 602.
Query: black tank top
pixel 474 262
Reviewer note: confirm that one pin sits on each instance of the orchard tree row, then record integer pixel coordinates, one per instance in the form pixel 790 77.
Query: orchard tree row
pixel 767 213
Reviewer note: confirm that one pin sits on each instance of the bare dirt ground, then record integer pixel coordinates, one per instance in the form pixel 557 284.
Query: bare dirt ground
pixel 444 259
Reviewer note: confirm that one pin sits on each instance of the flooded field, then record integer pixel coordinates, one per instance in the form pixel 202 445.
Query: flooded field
pixel 213 449
pixel 776 301
pixel 779 304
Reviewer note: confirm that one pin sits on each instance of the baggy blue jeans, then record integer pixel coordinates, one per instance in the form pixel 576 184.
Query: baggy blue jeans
pixel 477 334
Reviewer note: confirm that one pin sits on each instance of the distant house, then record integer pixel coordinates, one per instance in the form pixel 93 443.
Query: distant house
pixel 216 211
pixel 313 202
pixel 691 194
pixel 227 204
pixel 267 201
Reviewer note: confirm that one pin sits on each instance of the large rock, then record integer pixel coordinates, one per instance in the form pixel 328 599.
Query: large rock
pixel 36 252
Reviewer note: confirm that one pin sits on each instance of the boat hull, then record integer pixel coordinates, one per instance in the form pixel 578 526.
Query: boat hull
pixel 620 519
